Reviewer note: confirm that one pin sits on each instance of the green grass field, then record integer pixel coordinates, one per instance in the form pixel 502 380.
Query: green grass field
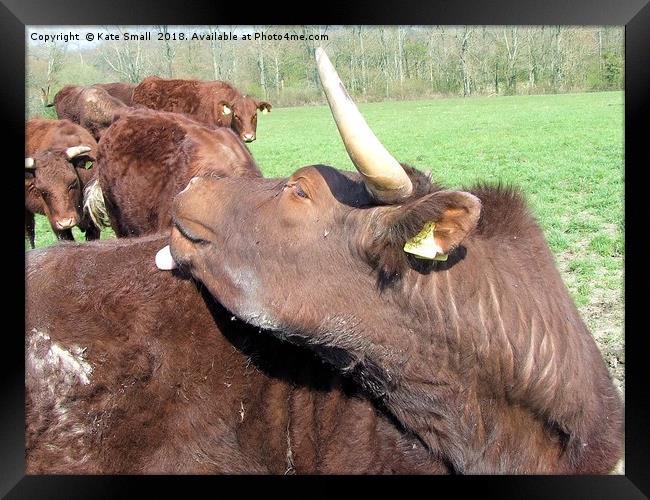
pixel 564 151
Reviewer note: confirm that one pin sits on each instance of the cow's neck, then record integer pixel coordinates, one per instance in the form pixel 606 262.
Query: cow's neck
pixel 478 369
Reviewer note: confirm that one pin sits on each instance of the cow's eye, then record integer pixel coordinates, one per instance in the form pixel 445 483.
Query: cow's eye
pixel 298 190
pixel 72 186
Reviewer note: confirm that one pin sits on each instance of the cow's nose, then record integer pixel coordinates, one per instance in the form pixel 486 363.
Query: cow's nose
pixel 65 223
pixel 248 137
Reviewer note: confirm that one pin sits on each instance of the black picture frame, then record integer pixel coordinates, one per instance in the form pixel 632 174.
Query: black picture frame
pixel 633 14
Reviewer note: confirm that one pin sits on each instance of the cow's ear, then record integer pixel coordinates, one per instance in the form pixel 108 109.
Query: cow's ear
pixel 224 108
pixel 430 228
pixel 83 161
pixel 264 106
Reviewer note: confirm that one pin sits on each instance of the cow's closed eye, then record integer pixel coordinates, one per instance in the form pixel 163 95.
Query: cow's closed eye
pixel 297 189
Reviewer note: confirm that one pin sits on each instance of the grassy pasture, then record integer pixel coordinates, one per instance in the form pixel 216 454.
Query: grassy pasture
pixel 564 151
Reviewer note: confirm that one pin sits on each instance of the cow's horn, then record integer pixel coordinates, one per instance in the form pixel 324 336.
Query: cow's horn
pixel 76 151
pixel 29 163
pixel 383 175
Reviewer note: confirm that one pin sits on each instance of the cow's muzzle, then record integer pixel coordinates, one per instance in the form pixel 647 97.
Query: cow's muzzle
pixel 68 223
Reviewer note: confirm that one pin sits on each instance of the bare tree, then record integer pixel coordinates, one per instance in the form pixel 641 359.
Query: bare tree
pixel 261 66
pixel 168 52
pixel 364 76
pixel 215 52
pixel 556 58
pixel 512 49
pixel 126 58
pixel 463 45
pixel 55 59
pixel 399 56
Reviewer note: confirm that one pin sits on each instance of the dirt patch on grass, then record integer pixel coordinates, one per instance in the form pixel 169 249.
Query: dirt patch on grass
pixel 604 315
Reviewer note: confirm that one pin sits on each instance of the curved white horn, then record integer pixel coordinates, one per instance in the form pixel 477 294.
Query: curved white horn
pixel 73 151
pixel 383 175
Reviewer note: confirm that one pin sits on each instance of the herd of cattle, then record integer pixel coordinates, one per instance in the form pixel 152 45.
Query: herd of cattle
pixel 240 324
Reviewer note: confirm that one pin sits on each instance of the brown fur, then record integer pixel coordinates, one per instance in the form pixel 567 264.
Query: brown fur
pixel 46 141
pixel 146 157
pixel 204 102
pixel 484 357
pixel 156 378
pixel 91 107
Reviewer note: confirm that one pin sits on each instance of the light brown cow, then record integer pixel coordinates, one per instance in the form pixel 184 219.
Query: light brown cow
pixel 212 103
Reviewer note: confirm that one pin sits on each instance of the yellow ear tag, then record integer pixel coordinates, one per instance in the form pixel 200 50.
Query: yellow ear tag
pixel 424 246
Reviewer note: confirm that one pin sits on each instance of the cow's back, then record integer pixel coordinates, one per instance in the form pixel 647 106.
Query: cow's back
pixel 147 157
pixel 142 163
pixel 178 96
pixel 132 370
pixel 119 90
pixel 91 107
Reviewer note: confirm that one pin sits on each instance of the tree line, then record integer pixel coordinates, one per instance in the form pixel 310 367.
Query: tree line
pixel 375 62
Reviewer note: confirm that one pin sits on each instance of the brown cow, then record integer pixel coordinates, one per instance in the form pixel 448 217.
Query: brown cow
pixel 91 107
pixel 119 90
pixel 57 153
pixel 483 356
pixel 213 103
pixel 155 377
pixel 146 157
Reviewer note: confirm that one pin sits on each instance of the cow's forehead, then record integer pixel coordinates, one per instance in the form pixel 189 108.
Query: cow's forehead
pixel 245 102
pixel 53 164
pixel 346 187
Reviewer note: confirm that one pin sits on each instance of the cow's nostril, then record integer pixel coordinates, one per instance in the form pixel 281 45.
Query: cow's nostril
pixel 65 223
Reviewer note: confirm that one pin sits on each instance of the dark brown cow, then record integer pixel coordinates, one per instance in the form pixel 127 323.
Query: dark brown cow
pixel 134 370
pixel 57 153
pixel 119 90
pixel 483 356
pixel 212 103
pixel 146 157
pixel 91 107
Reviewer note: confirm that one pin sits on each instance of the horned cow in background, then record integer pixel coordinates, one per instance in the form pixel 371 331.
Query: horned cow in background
pixel 58 153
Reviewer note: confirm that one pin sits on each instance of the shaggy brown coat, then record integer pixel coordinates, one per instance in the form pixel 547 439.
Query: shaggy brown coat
pixel 146 157
pixel 133 370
